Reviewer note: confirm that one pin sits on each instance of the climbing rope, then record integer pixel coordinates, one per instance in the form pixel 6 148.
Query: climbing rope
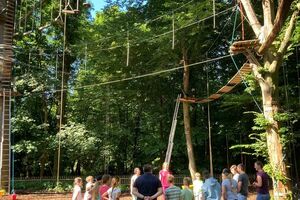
pixel 236 66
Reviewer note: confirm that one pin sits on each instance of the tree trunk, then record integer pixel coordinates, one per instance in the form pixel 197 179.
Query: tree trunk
pixel 270 97
pixel 186 116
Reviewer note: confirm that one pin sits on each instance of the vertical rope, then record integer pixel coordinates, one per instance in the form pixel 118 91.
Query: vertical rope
pixel 214 12
pixel 25 17
pixel 298 73
pixel 85 57
pixel 242 20
pixel 128 48
pixel 209 127
pixel 41 13
pixel 56 63
pixel 173 26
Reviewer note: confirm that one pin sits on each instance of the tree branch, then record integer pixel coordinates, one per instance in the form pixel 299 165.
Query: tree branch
pixel 281 15
pixel 256 73
pixel 268 9
pixel 287 36
pixel 254 23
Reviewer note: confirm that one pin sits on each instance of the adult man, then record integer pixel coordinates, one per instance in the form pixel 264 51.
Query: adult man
pixel 211 189
pixel 243 183
pixel 172 192
pixel 262 182
pixel 147 186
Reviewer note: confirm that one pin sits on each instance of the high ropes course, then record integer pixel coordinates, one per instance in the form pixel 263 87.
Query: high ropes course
pixel 10 27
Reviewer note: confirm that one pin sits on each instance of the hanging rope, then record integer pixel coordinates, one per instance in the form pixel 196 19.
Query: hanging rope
pixel 209 127
pixel 214 13
pixel 128 48
pixel 173 26
pixel 298 72
pixel 242 20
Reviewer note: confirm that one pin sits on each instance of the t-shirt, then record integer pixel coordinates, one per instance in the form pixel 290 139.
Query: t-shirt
pixel 264 189
pixel 173 193
pixel 132 180
pixel 77 193
pixel 197 188
pixel 113 192
pixel 88 191
pixel 231 188
pixel 211 189
pixel 236 177
pixel 147 184
pixel 186 194
pixel 163 176
pixel 103 189
pixel 244 179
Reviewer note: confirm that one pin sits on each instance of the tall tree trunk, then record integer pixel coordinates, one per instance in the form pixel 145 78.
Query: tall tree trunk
pixel 270 97
pixel 186 115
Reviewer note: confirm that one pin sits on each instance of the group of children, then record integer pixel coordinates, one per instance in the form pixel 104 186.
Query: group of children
pixel 234 186
pixel 106 188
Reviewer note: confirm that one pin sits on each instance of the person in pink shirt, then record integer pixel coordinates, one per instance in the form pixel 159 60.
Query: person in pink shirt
pixel 163 176
pixel 105 186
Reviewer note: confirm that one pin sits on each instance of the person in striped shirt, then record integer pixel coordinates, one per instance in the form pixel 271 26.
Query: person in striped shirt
pixel 172 192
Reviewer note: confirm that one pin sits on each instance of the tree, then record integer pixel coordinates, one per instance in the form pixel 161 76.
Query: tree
pixel 266 71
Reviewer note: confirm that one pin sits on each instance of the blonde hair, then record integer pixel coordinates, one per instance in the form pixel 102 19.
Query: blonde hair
pixel 89 179
pixel 77 180
pixel 115 181
pixel 197 174
pixel 165 165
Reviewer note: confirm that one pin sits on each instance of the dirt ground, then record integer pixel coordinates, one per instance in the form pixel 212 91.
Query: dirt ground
pixel 67 196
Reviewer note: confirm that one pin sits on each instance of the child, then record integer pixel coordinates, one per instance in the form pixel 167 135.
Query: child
pixel 95 190
pixel 172 192
pixel 197 186
pixel 88 188
pixel 104 187
pixel 186 192
pixel 77 189
pixel 163 176
pixel 229 186
pixel 114 192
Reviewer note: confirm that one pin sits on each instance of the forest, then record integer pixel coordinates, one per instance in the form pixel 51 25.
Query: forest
pixel 96 93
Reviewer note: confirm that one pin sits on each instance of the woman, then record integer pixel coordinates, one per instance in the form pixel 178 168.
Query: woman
pixel 137 173
pixel 229 186
pixel 114 192
pixel 197 186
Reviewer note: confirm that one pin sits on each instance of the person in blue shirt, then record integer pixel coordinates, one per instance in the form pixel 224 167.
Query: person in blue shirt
pixel 147 186
pixel 211 188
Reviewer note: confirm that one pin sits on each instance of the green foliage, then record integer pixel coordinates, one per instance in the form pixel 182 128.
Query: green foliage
pixel 111 126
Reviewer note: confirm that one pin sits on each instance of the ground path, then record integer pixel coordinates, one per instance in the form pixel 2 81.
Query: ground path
pixel 69 196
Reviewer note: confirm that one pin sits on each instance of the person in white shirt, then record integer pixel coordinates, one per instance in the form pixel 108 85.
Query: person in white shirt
pixel 197 187
pixel 88 188
pixel 233 170
pixel 137 173
pixel 114 192
pixel 77 189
